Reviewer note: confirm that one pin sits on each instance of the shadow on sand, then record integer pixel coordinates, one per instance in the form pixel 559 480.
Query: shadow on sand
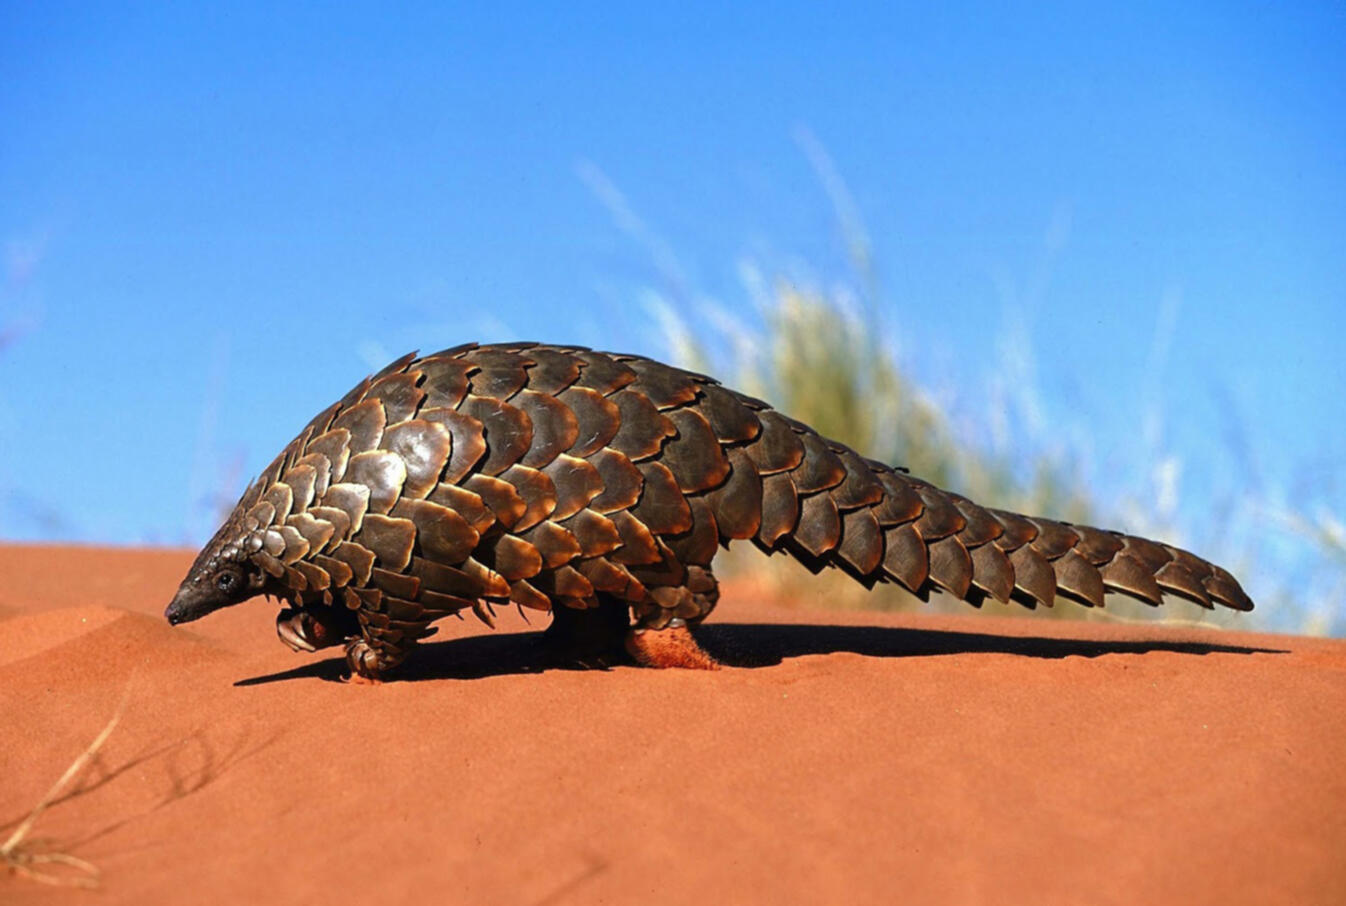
pixel 752 645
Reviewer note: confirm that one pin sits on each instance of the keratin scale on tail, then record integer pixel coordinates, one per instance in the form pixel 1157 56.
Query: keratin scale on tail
pixel 787 488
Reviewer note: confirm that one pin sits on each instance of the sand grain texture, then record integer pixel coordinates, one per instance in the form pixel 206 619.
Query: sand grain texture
pixel 867 758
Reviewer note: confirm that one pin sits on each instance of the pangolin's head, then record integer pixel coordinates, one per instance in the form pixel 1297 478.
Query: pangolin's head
pixel 222 575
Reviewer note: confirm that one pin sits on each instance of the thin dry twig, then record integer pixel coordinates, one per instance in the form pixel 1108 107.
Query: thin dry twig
pixel 21 859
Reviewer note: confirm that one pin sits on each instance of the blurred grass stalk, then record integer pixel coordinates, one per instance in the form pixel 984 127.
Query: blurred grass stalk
pixel 828 358
pixel 829 361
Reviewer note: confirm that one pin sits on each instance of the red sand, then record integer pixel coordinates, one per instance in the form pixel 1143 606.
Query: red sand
pixel 879 758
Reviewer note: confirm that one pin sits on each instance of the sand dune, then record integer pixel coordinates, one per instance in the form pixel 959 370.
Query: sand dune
pixel 844 757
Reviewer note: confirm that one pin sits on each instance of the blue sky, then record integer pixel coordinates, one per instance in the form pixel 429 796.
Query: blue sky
pixel 215 219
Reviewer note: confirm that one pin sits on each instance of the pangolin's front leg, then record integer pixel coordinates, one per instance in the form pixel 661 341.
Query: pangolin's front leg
pixel 367 663
pixel 383 643
pixel 374 644
pixel 369 655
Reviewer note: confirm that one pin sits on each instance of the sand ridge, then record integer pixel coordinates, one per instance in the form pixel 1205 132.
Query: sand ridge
pixel 865 757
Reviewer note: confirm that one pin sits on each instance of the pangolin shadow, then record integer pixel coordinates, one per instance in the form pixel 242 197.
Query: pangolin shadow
pixel 754 645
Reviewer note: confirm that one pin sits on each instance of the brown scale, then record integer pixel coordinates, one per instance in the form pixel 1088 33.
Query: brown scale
pixel 600 487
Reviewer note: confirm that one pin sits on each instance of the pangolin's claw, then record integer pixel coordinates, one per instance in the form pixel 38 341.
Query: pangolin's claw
pixel 290 627
pixel 306 630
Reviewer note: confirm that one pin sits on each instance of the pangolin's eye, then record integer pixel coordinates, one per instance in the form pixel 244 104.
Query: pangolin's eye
pixel 226 581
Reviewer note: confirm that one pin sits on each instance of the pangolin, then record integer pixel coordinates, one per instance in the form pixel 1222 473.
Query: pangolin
pixel 599 486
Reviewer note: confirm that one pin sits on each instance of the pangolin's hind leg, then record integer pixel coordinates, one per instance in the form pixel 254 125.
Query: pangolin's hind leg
pixel 662 635
pixel 604 635
pixel 671 646
pixel 588 637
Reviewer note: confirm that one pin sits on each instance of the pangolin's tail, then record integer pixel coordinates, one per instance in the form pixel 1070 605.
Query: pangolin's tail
pixel 790 489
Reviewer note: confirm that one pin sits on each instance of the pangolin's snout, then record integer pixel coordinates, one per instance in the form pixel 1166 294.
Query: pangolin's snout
pixel 192 602
pixel 178 612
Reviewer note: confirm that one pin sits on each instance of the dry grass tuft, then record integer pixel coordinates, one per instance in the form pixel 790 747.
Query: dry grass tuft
pixel 24 855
